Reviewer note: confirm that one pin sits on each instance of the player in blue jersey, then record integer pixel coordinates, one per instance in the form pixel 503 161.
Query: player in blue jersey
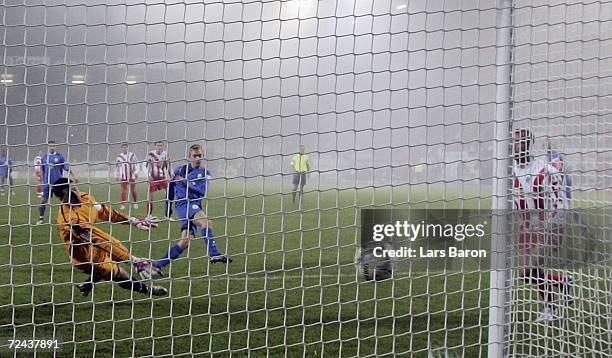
pixel 191 182
pixel 5 172
pixel 53 166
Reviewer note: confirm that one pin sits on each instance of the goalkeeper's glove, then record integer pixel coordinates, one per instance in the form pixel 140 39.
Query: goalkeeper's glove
pixel 142 224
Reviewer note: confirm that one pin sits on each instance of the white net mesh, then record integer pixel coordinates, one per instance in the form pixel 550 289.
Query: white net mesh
pixel 395 103
pixel 560 78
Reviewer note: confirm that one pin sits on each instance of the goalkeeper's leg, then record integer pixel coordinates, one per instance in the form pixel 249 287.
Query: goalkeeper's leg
pixel 124 281
pixel 87 286
pixel 102 267
pixel 114 247
pixel 119 253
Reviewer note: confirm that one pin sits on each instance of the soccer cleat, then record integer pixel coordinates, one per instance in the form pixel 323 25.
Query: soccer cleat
pixel 122 207
pixel 220 258
pixel 135 206
pixel 147 270
pixel 549 314
pixel 85 288
pixel 40 221
pixel 157 291
pixel 153 219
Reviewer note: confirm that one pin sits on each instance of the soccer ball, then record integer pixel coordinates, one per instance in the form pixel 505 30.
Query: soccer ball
pixel 373 268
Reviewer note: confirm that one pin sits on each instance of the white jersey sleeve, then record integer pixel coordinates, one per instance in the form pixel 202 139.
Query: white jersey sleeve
pixel 126 167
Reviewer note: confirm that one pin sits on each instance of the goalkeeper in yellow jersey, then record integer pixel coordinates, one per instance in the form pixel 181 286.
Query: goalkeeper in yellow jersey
pixel 93 251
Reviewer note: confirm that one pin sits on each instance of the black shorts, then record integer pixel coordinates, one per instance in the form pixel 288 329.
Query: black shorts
pixel 299 178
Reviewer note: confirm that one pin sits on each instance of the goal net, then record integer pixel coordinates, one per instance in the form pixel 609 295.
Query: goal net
pixel 397 104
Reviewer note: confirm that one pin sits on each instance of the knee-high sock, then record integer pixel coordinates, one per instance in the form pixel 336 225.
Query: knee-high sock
pixel 555 278
pixel 538 277
pixel 133 190
pixel 168 212
pixel 134 286
pixel 209 240
pixel 174 252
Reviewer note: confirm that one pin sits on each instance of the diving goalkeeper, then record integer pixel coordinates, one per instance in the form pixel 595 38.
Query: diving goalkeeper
pixel 93 251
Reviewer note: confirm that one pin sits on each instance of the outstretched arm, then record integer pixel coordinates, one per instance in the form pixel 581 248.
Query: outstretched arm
pixel 114 216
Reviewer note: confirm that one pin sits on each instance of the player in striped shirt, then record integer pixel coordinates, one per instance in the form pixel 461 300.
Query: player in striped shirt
pixel 159 169
pixel 126 171
pixel 38 172
pixel 541 200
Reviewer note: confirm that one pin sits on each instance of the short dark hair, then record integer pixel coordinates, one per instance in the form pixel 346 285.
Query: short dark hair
pixel 59 186
pixel 158 142
pixel 195 147
pixel 125 145
pixel 51 142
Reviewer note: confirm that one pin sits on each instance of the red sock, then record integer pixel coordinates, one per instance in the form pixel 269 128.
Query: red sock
pixel 134 192
pixel 545 293
pixel 554 278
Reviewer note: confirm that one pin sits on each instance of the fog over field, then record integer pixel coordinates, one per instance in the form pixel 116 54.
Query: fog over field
pixel 380 92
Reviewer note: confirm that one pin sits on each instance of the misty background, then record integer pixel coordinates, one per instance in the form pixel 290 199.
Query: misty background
pixel 381 92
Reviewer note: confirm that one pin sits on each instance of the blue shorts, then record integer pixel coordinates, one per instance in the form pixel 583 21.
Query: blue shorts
pixel 185 212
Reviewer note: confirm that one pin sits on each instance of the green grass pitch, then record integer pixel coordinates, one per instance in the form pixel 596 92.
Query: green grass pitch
pixel 292 289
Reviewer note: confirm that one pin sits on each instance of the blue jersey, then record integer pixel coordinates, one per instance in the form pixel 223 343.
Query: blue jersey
pixel 53 167
pixel 192 189
pixel 5 166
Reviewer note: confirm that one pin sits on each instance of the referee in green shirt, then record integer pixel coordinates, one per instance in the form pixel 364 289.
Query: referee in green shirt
pixel 301 165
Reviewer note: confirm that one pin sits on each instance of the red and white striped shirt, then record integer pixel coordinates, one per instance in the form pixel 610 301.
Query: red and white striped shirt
pixel 158 165
pixel 537 186
pixel 126 167
pixel 38 164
